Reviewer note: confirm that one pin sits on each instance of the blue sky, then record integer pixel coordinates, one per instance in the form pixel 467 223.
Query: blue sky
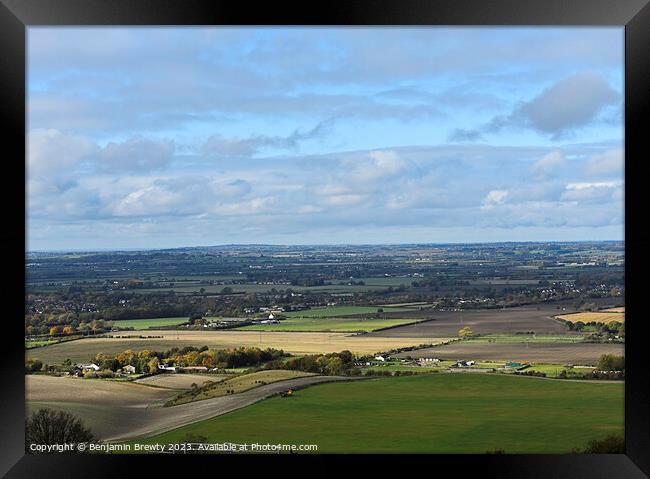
pixel 163 137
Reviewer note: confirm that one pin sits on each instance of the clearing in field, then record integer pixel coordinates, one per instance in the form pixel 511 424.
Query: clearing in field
pixel 605 316
pixel 337 311
pixel 138 324
pixel 296 343
pixel 437 413
pixel 329 324
pixel 237 385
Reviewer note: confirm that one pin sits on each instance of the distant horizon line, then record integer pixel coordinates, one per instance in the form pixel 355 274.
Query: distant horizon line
pixel 448 243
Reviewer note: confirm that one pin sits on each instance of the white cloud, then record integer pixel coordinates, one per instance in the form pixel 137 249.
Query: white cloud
pixel 135 154
pixel 547 166
pixel 50 151
pixel 593 192
pixel 562 108
pixel 608 162
pixel 495 197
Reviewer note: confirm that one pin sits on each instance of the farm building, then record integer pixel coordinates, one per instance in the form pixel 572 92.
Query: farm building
pixel 89 367
pixel 464 364
pixel 79 369
pixel 128 369
pixel 513 365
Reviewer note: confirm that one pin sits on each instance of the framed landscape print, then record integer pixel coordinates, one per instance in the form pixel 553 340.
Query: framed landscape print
pixel 276 235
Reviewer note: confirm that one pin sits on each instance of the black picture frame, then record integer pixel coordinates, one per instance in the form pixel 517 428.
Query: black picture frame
pixel 634 15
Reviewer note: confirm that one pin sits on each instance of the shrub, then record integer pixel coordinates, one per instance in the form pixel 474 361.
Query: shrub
pixel 608 445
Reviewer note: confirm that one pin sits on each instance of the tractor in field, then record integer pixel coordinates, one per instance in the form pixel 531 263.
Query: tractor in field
pixel 287 394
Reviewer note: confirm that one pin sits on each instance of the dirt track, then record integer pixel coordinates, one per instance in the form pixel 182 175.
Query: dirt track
pixel 136 415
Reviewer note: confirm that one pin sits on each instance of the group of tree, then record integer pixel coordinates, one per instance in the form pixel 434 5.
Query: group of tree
pixel 332 364
pixel 147 361
pixel 611 362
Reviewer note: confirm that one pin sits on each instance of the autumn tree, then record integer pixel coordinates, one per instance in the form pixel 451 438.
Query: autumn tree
pixel 153 365
pixel 465 332
pixel 69 330
pixel 54 330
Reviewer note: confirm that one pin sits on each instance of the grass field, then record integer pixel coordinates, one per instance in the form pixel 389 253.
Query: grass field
pixel 138 324
pixel 37 343
pixel 328 324
pixel 442 413
pixel 605 316
pixel 179 381
pixel 337 311
pixel 238 384
pixel 297 343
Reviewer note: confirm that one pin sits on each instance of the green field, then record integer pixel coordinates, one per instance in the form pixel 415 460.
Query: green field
pixel 441 413
pixel 336 311
pixel 328 324
pixel 149 323
pixel 37 343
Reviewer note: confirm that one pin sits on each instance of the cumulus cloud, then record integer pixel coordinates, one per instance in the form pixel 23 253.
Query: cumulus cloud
pixel 494 198
pixel 603 191
pixel 51 151
pixel 136 154
pixel 547 166
pixel 562 108
pixel 608 162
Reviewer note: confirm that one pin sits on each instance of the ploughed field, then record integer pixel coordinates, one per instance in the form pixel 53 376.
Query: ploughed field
pixel 119 410
pixel 163 340
pixel 541 352
pixel 439 413
pixel 537 318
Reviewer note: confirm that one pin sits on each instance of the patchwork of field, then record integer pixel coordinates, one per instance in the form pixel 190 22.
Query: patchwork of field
pixel 328 324
pixel 121 411
pixel 295 342
pixel 605 316
pixel 337 311
pixel 179 381
pixel 586 354
pixel 537 318
pixel 240 384
pixel 438 413
pixel 264 288
pixel 138 324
